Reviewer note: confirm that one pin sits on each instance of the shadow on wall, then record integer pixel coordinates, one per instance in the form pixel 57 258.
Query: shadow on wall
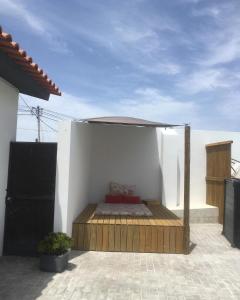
pixel 172 159
pixel 128 155
pixel 158 157
pixel 98 155
pixel 58 224
pixel 178 182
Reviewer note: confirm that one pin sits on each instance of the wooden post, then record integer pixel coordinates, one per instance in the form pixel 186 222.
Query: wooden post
pixel 186 188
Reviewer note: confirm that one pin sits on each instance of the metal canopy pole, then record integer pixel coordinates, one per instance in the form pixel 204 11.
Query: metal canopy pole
pixel 186 188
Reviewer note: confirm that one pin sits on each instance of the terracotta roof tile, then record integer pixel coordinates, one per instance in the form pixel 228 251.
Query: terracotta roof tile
pixel 20 57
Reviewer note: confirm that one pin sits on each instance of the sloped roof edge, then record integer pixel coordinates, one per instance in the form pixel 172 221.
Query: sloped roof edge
pixel 20 58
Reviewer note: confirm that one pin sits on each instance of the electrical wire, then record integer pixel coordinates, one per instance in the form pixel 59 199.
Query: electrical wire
pixel 52 115
pixel 48 110
pixel 46 114
pixel 29 129
pixel 20 96
pixel 50 119
pixel 60 114
pixel 48 125
pixel 25 115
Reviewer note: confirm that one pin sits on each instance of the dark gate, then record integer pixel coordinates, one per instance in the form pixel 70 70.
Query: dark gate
pixel 30 196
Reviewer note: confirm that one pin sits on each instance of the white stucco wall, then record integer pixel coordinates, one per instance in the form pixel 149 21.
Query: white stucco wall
pixel 198 155
pixel 127 155
pixel 8 122
pixel 90 156
pixel 172 166
pixel 173 172
pixel 73 171
pixel 62 177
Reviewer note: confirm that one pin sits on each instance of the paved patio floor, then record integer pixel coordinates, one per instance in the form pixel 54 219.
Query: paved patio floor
pixel 211 271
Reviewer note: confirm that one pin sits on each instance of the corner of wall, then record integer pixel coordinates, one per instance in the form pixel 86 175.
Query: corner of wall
pixel 8 125
pixel 79 163
pixel 62 176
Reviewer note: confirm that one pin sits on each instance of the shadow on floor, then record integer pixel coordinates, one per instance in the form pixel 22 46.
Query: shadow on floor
pixel 192 247
pixel 22 279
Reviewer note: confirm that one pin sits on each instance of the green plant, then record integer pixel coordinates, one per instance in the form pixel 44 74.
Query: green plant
pixel 55 243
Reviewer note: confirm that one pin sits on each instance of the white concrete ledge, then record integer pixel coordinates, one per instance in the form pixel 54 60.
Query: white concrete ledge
pixel 199 214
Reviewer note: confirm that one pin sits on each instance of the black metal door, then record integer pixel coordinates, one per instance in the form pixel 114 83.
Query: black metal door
pixel 30 196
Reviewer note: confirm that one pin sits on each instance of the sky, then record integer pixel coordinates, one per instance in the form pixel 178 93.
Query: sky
pixel 173 61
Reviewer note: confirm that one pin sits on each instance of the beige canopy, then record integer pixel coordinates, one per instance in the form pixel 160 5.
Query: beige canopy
pixel 127 121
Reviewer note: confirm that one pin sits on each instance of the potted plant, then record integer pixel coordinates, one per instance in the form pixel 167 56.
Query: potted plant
pixel 54 252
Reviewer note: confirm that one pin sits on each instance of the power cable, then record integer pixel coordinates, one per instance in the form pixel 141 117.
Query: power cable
pixel 50 119
pixel 48 125
pixel 40 113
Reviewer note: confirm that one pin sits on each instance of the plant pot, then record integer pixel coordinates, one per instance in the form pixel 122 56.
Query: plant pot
pixel 54 263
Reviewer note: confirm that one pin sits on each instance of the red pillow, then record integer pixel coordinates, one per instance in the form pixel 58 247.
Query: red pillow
pixel 113 199
pixel 131 199
pixel 122 199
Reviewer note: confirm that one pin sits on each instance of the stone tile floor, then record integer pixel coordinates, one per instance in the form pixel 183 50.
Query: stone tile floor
pixel 211 271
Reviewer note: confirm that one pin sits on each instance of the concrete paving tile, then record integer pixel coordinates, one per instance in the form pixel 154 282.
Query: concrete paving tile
pixel 210 272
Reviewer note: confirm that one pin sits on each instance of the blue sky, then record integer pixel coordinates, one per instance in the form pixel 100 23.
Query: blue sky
pixel 174 61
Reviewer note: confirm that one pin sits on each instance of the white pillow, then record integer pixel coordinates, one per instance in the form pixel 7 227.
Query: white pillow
pixel 121 189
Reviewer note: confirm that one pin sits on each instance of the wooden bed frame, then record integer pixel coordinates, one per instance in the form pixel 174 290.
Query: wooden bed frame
pixel 163 232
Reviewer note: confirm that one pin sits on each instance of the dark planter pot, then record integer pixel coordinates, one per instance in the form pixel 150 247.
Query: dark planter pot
pixel 54 263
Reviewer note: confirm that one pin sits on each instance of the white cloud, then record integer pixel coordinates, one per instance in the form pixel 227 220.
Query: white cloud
pixel 147 103
pixel 206 80
pixel 207 11
pixel 152 104
pixel 141 40
pixel 229 106
pixel 67 104
pixel 161 68
pixel 191 1
pixel 221 40
pixel 145 43
pixel 138 39
pixel 132 35
pixel 16 9
pixel 38 25
pixel 74 106
pixel 223 50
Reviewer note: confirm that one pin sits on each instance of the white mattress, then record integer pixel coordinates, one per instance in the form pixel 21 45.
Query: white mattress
pixel 122 209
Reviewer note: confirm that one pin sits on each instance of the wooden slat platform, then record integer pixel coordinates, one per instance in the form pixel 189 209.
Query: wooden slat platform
pixel 163 232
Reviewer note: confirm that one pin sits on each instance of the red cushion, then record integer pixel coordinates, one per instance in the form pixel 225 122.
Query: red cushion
pixel 113 199
pixel 122 199
pixel 131 199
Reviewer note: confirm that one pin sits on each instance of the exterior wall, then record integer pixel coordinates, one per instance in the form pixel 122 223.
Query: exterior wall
pixel 125 154
pixel 173 168
pixel 8 122
pixel 90 156
pixel 172 146
pixel 62 177
pixel 198 153
pixel 72 174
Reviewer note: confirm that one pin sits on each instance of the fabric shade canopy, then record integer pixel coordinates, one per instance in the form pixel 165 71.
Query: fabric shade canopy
pixel 126 121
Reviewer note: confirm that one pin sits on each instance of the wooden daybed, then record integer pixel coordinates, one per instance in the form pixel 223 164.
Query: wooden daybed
pixel 163 232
